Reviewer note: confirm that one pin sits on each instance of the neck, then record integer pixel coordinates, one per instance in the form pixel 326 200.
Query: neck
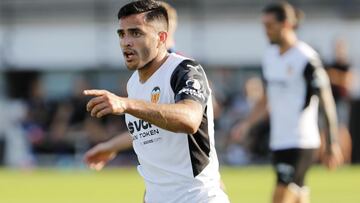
pixel 288 41
pixel 150 68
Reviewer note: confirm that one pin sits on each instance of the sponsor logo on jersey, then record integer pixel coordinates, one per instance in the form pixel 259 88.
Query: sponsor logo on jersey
pixel 138 125
pixel 197 67
pixel 141 129
pixel 193 87
pixel 194 84
pixel 290 70
pixel 155 95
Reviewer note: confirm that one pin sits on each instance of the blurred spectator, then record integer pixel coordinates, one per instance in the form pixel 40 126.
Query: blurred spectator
pixel 173 19
pixel 253 144
pixel 16 149
pixel 72 131
pixel 38 116
pixel 14 145
pixel 70 119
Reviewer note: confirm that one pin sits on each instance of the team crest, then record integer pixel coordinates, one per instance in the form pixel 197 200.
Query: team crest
pixel 290 70
pixel 155 95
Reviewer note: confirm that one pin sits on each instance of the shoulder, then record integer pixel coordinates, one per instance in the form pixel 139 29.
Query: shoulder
pixel 182 61
pixel 306 52
pixel 134 77
pixel 187 66
pixel 188 71
pixel 270 54
pixel 271 50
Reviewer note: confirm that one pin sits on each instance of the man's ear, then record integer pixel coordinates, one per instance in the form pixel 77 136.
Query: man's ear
pixel 288 24
pixel 163 36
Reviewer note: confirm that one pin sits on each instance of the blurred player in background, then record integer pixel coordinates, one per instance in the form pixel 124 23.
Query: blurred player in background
pixel 295 83
pixel 168 113
pixel 173 19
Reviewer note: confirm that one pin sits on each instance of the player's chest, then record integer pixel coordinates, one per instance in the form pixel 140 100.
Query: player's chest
pixel 158 91
pixel 280 71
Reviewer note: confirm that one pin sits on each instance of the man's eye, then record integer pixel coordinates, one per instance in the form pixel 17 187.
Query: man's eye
pixel 121 34
pixel 136 34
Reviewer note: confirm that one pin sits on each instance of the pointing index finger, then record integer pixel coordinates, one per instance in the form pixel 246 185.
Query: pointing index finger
pixel 94 92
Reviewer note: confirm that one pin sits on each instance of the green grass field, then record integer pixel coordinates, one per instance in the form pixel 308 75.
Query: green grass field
pixel 244 185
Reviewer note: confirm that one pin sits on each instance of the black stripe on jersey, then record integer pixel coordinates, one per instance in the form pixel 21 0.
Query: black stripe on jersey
pixel 199 146
pixel 315 78
pixel 188 81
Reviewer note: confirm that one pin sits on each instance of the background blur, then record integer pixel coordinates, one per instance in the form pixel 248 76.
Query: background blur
pixel 51 50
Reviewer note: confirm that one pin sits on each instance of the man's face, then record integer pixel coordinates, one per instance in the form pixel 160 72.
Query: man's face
pixel 139 41
pixel 273 28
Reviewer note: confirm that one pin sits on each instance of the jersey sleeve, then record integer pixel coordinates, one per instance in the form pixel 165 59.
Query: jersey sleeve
pixel 315 75
pixel 315 78
pixel 189 81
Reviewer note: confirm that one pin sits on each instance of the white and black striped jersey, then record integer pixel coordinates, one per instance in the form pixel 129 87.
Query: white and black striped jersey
pixel 293 81
pixel 177 167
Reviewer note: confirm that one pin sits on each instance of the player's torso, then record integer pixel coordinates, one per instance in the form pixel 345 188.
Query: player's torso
pixel 158 150
pixel 167 161
pixel 292 125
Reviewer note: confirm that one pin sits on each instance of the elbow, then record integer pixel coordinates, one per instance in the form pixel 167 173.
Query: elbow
pixel 191 127
pixel 190 120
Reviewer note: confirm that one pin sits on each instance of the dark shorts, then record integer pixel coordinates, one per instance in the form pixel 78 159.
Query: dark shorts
pixel 291 165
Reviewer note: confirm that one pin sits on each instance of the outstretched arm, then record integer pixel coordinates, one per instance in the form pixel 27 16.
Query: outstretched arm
pixel 183 116
pixel 98 156
pixel 191 93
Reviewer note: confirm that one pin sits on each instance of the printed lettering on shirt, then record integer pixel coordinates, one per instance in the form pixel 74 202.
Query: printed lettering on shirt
pixel 141 129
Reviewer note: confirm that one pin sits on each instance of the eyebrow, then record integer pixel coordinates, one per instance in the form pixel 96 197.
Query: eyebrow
pixel 130 29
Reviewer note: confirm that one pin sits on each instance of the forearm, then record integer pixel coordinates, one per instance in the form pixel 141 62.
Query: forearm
pixel 178 117
pixel 328 103
pixel 258 113
pixel 184 116
pixel 121 142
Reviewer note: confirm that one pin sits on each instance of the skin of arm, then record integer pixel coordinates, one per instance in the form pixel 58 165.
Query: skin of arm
pixel 260 111
pixel 184 116
pixel 98 156
pixel 332 156
pixel 328 104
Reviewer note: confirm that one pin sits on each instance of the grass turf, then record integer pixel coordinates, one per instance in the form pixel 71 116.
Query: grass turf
pixel 244 184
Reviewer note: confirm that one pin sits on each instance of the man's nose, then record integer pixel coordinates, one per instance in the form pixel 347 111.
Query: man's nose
pixel 126 42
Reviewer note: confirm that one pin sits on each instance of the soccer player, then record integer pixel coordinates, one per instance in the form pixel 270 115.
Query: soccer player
pixel 168 113
pixel 295 83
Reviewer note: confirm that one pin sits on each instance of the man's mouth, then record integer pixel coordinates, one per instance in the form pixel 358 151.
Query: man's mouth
pixel 129 55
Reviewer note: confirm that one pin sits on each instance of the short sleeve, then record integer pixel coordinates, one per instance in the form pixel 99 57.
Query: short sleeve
pixel 189 81
pixel 315 75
